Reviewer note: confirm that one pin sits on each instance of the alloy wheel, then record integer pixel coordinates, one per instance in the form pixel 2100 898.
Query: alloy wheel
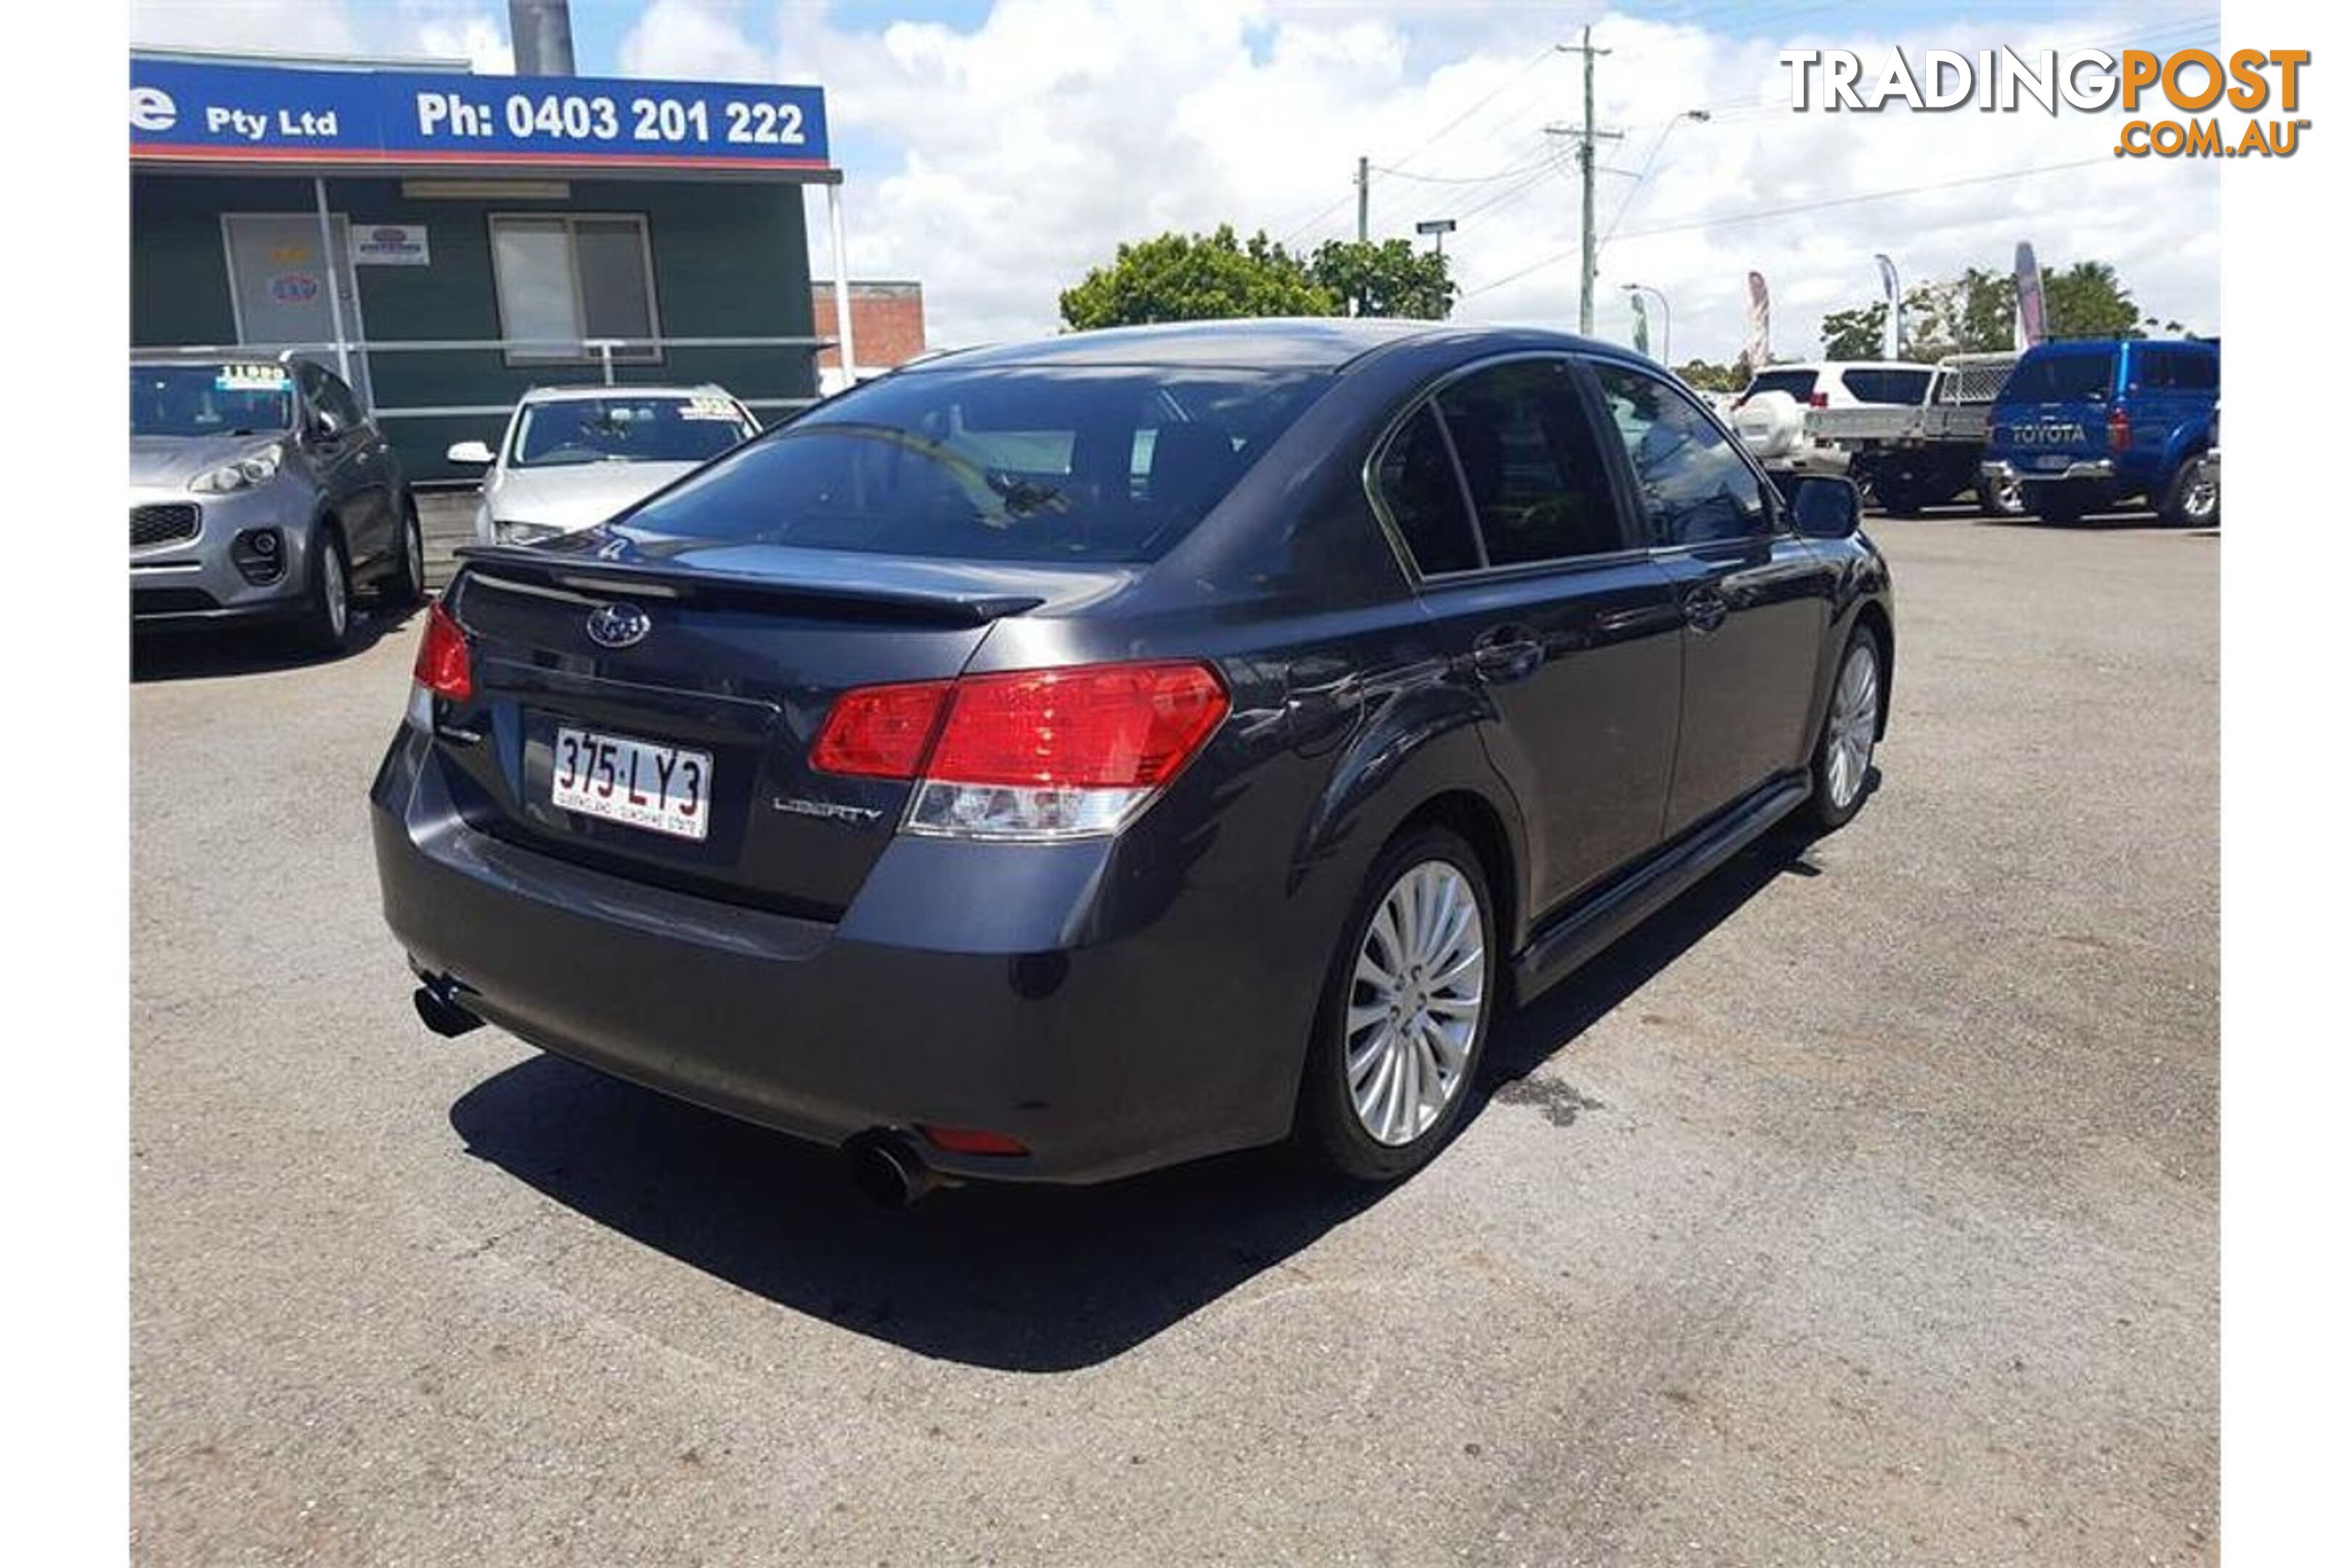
pixel 1414 1007
pixel 1853 724
pixel 412 568
pixel 335 592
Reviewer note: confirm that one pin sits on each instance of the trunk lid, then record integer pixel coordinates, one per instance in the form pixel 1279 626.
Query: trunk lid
pixel 2054 411
pixel 742 650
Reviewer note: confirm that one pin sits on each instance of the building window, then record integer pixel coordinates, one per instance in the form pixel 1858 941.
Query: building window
pixel 564 282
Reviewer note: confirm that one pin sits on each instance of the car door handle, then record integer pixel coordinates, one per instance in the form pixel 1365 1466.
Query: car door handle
pixel 1704 609
pixel 1506 654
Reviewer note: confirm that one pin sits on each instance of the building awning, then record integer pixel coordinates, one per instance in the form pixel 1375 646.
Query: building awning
pixel 200 116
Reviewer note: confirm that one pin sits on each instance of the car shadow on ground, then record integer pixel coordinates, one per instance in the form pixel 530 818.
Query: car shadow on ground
pixel 1010 1278
pixel 253 650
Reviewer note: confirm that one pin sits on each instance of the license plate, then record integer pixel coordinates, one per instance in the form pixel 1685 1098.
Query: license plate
pixel 2051 460
pixel 664 789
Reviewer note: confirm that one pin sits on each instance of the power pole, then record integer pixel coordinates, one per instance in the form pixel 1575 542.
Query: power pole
pixel 1363 200
pixel 1585 136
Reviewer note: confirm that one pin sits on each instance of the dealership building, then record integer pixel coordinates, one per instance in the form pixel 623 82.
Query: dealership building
pixel 445 241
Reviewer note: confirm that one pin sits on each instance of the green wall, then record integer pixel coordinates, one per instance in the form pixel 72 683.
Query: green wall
pixel 729 260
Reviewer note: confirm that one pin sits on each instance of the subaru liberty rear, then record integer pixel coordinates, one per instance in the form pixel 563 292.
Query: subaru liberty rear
pixel 750 796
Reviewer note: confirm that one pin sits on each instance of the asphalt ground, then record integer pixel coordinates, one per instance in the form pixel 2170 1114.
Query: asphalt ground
pixel 1860 1209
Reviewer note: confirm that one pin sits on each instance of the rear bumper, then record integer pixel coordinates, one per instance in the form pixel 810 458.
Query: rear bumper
pixel 2096 470
pixel 1101 1057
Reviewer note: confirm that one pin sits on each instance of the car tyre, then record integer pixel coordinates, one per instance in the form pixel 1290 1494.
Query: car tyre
pixel 1411 996
pixel 1849 735
pixel 1898 498
pixel 326 624
pixel 405 589
pixel 2192 496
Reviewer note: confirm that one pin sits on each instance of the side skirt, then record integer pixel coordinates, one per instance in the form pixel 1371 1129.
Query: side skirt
pixel 1568 941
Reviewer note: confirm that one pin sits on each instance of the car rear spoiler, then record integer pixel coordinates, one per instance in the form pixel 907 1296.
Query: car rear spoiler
pixel 532 570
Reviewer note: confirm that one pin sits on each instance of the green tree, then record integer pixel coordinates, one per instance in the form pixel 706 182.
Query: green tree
pixel 1985 321
pixel 1385 277
pixel 1858 333
pixel 2088 300
pixel 1193 278
pixel 1706 377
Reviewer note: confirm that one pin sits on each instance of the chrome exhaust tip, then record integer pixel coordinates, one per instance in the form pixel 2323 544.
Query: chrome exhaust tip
pixel 438 1009
pixel 888 1169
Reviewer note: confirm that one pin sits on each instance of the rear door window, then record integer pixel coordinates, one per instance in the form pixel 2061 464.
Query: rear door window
pixel 1903 386
pixel 1539 486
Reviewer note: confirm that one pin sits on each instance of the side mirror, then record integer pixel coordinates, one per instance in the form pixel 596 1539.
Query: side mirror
pixel 1824 506
pixel 477 452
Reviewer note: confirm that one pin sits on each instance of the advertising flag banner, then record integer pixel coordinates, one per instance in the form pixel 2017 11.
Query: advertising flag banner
pixel 1641 325
pixel 1759 349
pixel 2030 328
pixel 1894 286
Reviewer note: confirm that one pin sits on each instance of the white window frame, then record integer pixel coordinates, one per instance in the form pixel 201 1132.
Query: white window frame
pixel 651 355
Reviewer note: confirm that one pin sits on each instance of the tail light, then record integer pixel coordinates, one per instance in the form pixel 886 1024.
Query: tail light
pixel 1818 400
pixel 2118 430
pixel 971 1140
pixel 444 666
pixel 1029 754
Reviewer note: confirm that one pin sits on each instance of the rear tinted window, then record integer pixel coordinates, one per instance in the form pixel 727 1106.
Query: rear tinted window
pixel 1026 463
pixel 2165 369
pixel 1906 386
pixel 1418 485
pixel 2060 377
pixel 1797 384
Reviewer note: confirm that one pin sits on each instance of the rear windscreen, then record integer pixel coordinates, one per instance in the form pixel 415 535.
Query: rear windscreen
pixel 1797 384
pixel 1020 463
pixel 2061 378
pixel 1906 386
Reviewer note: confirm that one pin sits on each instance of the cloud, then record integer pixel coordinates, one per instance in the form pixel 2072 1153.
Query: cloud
pixel 446 30
pixel 998 163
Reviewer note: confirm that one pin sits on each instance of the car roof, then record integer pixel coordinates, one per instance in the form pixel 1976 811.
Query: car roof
pixel 2108 345
pixel 632 389
pixel 1818 366
pixel 1281 343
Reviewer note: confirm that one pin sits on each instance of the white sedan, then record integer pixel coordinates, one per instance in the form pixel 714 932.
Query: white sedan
pixel 574 456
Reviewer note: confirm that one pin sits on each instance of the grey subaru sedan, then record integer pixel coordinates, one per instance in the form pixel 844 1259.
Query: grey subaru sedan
pixel 260 492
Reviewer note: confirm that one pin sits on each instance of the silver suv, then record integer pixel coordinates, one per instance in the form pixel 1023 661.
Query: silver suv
pixel 259 492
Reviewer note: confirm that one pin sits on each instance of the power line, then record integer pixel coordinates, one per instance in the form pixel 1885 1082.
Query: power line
pixel 1463 179
pixel 1448 127
pixel 1762 213
pixel 1397 165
